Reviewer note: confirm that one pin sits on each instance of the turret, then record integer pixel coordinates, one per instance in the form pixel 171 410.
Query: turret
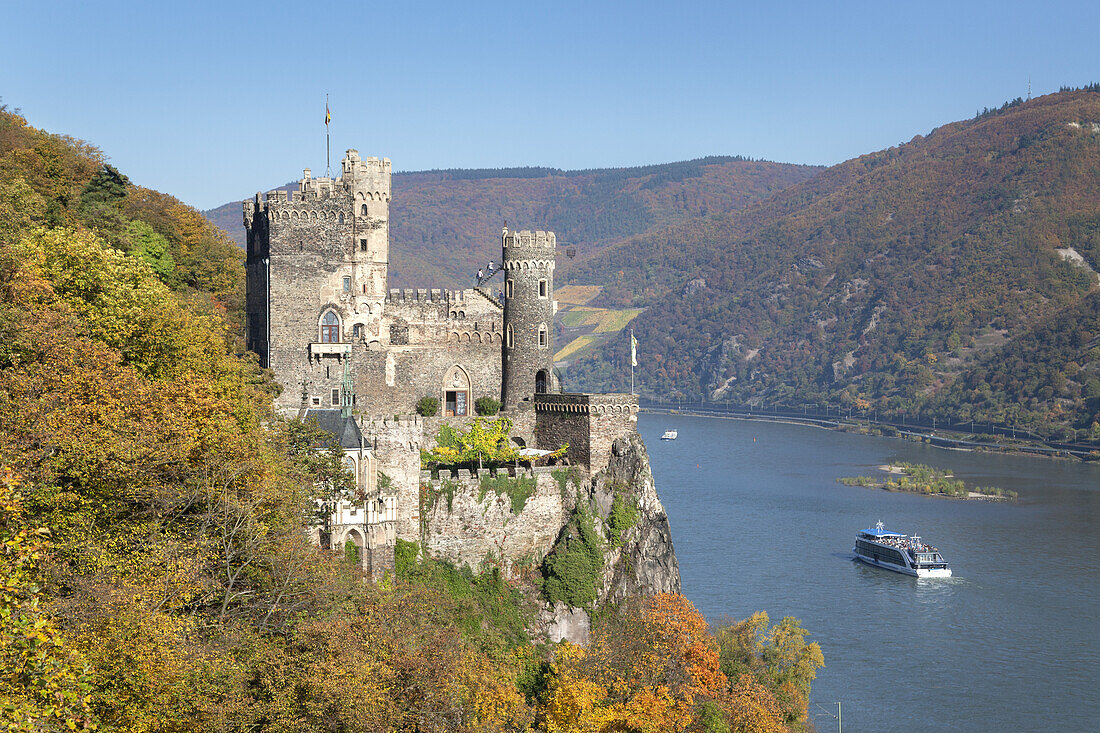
pixel 527 352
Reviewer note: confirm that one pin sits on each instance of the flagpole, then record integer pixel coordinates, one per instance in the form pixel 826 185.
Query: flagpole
pixel 632 358
pixel 328 157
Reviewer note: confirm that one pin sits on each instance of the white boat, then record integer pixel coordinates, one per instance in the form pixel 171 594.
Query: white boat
pixel 669 435
pixel 900 553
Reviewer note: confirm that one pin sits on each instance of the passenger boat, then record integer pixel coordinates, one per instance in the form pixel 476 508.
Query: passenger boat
pixel 669 435
pixel 895 551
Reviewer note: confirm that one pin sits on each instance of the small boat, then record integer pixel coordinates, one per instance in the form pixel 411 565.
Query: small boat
pixel 902 554
pixel 669 435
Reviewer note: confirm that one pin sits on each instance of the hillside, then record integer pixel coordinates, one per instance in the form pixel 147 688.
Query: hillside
pixel 952 275
pixel 444 224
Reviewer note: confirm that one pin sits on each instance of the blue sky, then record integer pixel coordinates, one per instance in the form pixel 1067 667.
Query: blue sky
pixel 213 101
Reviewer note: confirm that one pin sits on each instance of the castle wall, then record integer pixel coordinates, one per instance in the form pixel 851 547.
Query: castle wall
pixel 589 423
pixel 433 341
pixel 396 448
pixel 479 523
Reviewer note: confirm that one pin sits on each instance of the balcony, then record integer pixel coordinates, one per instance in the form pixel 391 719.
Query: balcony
pixel 339 350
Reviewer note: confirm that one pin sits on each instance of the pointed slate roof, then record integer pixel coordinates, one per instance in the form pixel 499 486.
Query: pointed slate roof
pixel 344 430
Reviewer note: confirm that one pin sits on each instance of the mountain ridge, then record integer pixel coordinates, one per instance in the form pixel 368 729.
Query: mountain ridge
pixel 444 223
pixel 880 280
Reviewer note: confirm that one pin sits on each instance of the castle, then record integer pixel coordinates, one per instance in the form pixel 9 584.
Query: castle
pixel 358 356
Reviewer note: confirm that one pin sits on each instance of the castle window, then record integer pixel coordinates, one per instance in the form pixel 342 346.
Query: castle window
pixel 544 340
pixel 347 284
pixel 542 288
pixel 341 219
pixel 336 397
pixel 363 210
pixel 510 337
pixel 358 330
pixel 330 328
pixel 316 400
pixel 509 288
pixel 362 245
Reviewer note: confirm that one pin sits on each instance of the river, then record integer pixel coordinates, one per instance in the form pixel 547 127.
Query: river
pixel 1010 643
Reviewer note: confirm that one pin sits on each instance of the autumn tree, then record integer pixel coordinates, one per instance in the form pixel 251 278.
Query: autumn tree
pixel 649 666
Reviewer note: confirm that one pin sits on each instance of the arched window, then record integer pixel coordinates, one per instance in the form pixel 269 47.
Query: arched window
pixel 330 328
pixel 510 337
pixel 544 337
pixel 363 210
pixel 341 219
pixel 540 382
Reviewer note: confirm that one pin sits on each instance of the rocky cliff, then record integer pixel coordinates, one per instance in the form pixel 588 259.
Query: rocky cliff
pixel 645 562
pixel 594 539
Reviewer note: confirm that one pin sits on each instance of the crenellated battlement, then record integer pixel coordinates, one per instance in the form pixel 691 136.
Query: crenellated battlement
pixel 465 474
pixel 374 426
pixel 526 240
pixel 424 295
pixel 584 403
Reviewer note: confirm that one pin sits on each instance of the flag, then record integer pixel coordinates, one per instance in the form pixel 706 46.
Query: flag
pixel 328 117
pixel 633 350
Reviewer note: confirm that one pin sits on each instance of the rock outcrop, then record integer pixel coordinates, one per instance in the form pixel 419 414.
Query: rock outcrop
pixel 645 562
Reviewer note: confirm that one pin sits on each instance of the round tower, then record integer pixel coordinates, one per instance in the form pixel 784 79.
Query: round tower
pixel 527 353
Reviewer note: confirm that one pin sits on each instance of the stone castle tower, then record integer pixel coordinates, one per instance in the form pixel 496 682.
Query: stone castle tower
pixel 527 357
pixel 317 266
pixel 321 316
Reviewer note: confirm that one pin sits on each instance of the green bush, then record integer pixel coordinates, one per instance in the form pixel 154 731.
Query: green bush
pixel 486 406
pixel 404 558
pixel 565 476
pixel 572 570
pixel 623 516
pixel 428 406
pixel 351 552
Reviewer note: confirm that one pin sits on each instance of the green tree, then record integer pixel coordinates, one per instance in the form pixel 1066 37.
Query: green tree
pixel 485 440
pixel 154 249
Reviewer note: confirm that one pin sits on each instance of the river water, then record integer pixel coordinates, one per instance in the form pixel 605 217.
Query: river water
pixel 1010 643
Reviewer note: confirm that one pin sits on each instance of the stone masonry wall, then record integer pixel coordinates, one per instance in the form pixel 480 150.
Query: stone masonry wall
pixel 326 247
pixel 426 337
pixel 479 523
pixel 589 423
pixel 396 447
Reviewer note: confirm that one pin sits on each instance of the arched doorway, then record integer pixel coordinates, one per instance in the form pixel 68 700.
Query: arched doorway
pixel 353 546
pixel 456 392
pixel 541 382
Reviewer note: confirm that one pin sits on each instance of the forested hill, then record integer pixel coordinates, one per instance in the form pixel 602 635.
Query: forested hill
pixel 951 276
pixel 444 224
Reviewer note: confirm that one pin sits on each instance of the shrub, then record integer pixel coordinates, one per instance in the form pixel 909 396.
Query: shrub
pixel 486 406
pixel 572 570
pixel 351 552
pixel 623 516
pixel 428 406
pixel 404 558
